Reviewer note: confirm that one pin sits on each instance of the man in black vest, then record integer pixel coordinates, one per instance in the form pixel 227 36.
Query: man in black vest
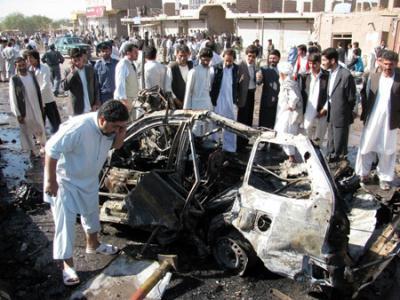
pixel 177 73
pixel 27 106
pixel 380 114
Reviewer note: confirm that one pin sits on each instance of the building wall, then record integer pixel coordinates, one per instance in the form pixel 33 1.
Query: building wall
pixel 250 6
pixel 197 25
pixel 318 5
pixel 169 9
pixel 216 21
pixel 171 27
pixel 283 33
pixel 365 28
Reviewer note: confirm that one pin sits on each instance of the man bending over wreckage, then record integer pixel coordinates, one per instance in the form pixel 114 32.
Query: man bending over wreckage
pixel 74 158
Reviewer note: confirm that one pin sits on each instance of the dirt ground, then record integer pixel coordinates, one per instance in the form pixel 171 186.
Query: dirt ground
pixel 26 233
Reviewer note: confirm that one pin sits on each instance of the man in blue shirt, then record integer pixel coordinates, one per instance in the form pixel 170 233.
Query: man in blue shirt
pixel 105 71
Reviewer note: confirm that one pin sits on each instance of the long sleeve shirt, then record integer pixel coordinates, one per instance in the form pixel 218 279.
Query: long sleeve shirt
pixel 126 81
pixel 42 73
pixel 81 150
pixel 154 74
pixel 105 71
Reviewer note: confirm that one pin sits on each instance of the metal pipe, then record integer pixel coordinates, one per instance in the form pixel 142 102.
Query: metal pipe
pixel 112 195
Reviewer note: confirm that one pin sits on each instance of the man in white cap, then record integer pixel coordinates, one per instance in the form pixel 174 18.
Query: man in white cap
pixel 290 106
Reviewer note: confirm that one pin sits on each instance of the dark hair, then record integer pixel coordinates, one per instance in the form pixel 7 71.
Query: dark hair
pixel 252 49
pixel 206 52
pixel 302 47
pixel 314 57
pixel 355 44
pixel 182 48
pixel 275 52
pixel 113 111
pixel 75 53
pixel 340 44
pixel 229 52
pixel 331 53
pixel 19 59
pixel 35 54
pixel 390 55
pixel 211 45
pixel 357 51
pixel 52 47
pixel 128 47
pixel 150 52
pixel 105 45
pixel 313 49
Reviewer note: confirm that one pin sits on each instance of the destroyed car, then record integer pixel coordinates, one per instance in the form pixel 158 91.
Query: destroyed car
pixel 247 207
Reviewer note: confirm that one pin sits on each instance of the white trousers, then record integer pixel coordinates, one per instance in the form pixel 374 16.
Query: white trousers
pixel 64 235
pixel 385 168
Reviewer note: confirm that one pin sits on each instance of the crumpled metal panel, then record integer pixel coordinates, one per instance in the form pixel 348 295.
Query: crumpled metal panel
pixel 154 202
pixel 299 226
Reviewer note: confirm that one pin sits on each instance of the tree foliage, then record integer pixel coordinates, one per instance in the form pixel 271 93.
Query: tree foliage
pixel 30 24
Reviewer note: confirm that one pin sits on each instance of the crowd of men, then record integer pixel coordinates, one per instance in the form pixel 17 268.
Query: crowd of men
pixel 205 72
pixel 313 93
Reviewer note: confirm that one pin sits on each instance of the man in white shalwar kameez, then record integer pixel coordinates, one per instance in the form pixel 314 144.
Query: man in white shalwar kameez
pixel 10 55
pixel 197 93
pixel 224 95
pixel 290 107
pixel 380 114
pixel 27 106
pixel 75 155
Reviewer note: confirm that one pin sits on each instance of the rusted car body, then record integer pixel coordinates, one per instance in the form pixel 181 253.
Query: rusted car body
pixel 246 207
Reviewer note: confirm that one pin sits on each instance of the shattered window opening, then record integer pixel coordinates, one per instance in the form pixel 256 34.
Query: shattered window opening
pixel 271 173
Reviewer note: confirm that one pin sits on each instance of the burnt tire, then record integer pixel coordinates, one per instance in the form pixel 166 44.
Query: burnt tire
pixel 233 252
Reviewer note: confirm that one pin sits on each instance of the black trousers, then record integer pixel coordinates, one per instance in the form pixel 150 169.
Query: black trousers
pixel 51 112
pixel 267 117
pixel 338 139
pixel 245 116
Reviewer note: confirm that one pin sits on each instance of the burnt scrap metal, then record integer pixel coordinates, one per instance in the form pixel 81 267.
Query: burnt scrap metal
pixel 28 197
pixel 303 220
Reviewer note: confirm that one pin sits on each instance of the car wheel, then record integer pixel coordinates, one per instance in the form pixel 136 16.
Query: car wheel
pixel 233 252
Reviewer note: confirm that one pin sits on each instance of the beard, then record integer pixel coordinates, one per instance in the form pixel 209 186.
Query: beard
pixel 107 134
pixel 23 71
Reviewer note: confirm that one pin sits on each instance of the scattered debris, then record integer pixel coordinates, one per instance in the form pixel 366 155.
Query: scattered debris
pixel 121 279
pixel 177 183
pixel 28 197
pixel 278 295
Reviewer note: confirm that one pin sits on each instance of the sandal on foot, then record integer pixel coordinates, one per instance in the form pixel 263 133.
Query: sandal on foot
pixel 106 249
pixel 70 277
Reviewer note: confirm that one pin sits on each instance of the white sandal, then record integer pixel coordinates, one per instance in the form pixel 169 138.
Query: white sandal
pixel 70 277
pixel 106 249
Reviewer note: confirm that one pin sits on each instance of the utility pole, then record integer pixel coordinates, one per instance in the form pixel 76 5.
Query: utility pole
pixel 262 25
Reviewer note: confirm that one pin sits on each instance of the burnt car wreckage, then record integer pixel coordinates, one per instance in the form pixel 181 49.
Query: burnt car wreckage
pixel 299 220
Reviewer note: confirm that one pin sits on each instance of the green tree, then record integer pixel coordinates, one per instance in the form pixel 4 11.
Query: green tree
pixel 15 21
pixel 30 24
